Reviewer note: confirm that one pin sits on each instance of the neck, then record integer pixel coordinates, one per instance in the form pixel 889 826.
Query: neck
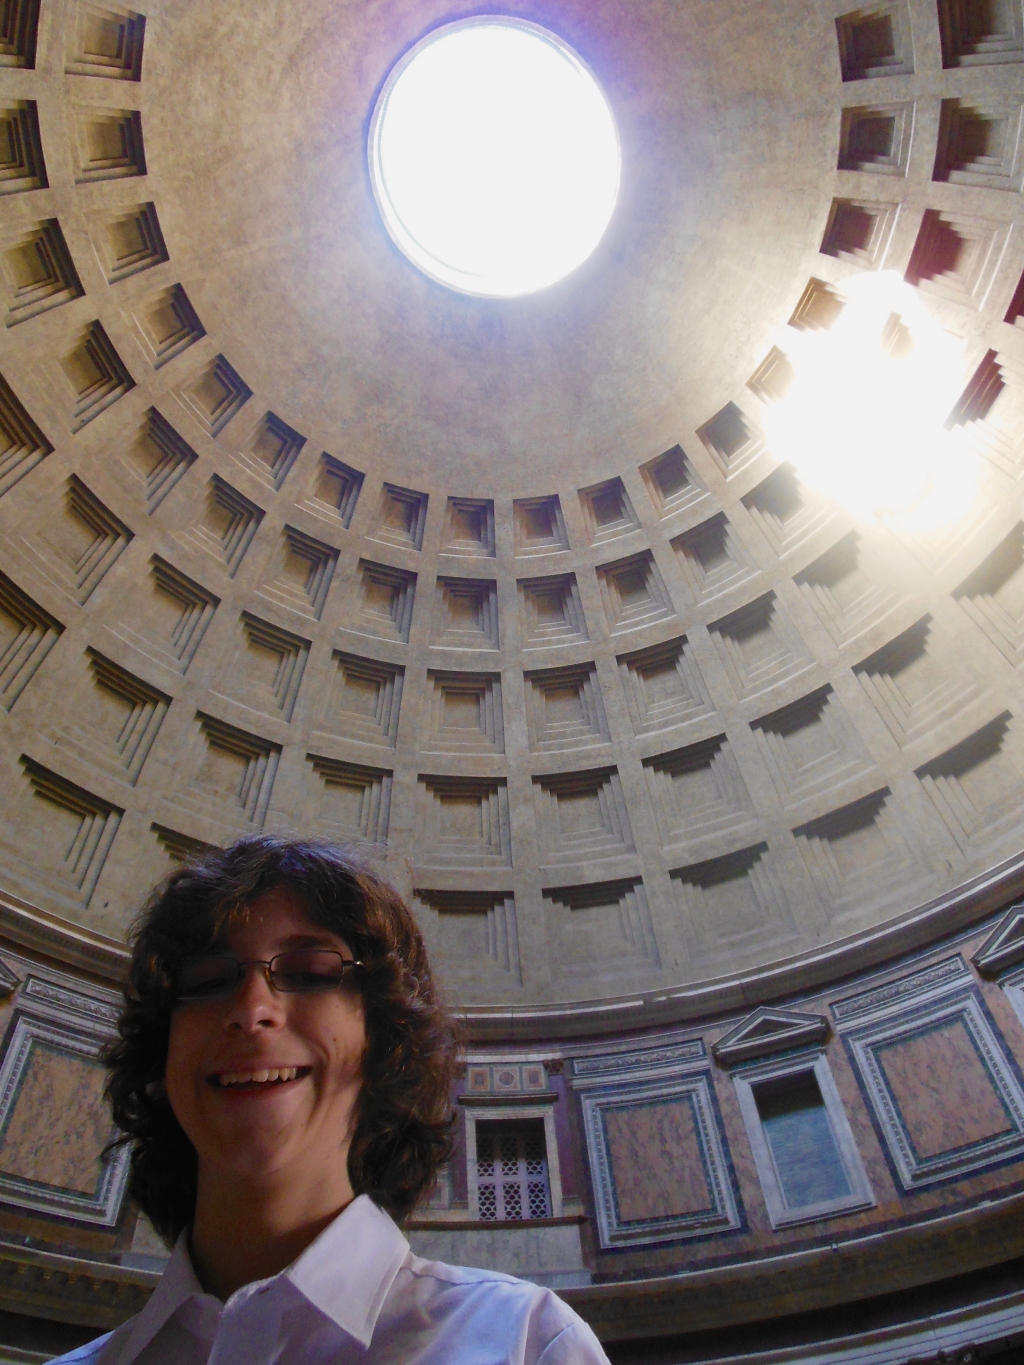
pixel 247 1229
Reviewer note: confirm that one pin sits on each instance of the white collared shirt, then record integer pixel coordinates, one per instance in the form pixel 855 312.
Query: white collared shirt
pixel 357 1293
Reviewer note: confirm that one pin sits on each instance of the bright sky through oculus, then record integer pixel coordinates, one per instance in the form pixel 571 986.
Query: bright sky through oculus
pixel 494 157
pixel 864 419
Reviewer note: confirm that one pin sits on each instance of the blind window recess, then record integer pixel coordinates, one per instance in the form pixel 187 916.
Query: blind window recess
pixel 803 1147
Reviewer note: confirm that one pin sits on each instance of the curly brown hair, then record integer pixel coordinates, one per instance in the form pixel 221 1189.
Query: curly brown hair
pixel 403 1131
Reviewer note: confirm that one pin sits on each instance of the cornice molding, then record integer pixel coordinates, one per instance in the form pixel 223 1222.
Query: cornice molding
pixel 901 1259
pixel 92 1294
pixel 522 1225
pixel 60 940
pixel 926 924
pixel 105 958
pixel 509 1099
pixel 70 1288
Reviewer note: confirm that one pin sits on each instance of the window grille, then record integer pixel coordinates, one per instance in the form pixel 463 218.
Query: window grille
pixel 512 1171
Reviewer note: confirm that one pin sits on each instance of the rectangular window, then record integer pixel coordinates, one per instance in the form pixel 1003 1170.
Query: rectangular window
pixel 800 1138
pixel 512 1170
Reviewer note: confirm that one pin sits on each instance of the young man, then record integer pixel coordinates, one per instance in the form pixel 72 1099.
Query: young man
pixel 283 1073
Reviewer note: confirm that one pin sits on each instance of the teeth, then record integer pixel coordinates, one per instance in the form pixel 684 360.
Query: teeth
pixel 264 1077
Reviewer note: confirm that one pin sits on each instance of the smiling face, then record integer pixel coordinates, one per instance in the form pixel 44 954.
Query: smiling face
pixel 266 1083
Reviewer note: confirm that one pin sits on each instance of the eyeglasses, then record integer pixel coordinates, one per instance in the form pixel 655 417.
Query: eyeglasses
pixel 304 971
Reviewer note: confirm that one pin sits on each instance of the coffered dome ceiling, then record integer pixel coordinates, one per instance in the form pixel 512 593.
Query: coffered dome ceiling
pixel 269 197
pixel 296 539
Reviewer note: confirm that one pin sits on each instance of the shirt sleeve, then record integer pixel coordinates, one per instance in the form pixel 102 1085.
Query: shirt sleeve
pixel 576 1344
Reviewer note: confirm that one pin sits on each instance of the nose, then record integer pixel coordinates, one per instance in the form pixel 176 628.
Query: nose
pixel 253 1004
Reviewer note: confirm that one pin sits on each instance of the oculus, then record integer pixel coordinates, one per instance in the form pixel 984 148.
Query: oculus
pixel 494 157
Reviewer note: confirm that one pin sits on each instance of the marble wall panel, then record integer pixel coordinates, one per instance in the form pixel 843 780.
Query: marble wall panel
pixel 58 1122
pixel 943 1090
pixel 946 1095
pixel 656 1161
pixel 54 1120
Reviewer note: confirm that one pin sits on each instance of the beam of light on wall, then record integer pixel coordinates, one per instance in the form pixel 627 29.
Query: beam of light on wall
pixel 864 418
pixel 494 157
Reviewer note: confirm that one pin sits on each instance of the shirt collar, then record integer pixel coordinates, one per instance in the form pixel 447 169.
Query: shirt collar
pixel 347 1272
pixel 175 1287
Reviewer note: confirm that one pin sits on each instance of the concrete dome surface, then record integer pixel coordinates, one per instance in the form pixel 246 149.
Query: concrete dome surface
pixel 299 539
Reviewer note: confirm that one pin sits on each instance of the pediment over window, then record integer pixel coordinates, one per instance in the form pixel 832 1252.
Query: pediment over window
pixel 1005 946
pixel 767 1031
pixel 9 983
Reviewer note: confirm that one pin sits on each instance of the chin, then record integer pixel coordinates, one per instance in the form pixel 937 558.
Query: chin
pixel 255 1158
